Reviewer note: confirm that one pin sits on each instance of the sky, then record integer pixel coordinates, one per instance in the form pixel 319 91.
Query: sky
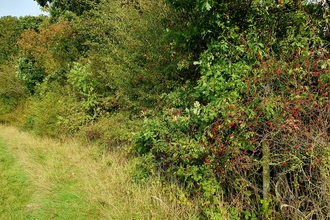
pixel 19 8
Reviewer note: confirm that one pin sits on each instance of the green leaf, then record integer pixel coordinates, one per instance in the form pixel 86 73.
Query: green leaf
pixel 208 6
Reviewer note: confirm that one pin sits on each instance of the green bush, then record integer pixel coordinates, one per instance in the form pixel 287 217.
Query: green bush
pixel 256 93
pixel 128 52
pixel 12 95
pixel 31 75
pixel 7 105
pixel 111 131
pixel 52 112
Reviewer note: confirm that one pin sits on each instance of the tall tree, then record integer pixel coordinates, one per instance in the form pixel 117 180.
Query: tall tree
pixel 57 7
pixel 10 30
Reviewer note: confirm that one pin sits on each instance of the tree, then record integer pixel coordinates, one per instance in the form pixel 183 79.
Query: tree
pixel 10 31
pixel 52 47
pixel 11 89
pixel 128 52
pixel 57 7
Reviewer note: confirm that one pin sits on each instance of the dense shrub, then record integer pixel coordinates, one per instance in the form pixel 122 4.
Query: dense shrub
pixel 53 112
pixel 113 131
pixel 257 120
pixel 11 93
pixel 129 53
pixel 31 75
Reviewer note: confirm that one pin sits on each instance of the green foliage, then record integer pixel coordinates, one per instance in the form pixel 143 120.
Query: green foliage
pixel 102 74
pixel 111 131
pixel 11 89
pixel 32 22
pixel 8 105
pixel 31 75
pixel 10 85
pixel 260 81
pixel 52 48
pixel 11 93
pixel 10 30
pixel 127 49
pixel 214 81
pixel 144 169
pixel 182 157
pixel 51 113
pixel 85 84
pixel 57 7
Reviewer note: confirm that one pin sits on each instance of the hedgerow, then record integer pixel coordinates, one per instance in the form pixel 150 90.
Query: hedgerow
pixel 256 129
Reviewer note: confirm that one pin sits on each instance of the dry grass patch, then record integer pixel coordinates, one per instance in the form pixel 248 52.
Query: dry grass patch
pixel 72 181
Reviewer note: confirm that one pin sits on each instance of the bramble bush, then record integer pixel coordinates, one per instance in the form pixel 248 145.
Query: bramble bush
pixel 261 103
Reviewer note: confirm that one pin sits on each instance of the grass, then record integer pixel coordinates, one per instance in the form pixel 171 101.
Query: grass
pixel 47 179
pixel 15 190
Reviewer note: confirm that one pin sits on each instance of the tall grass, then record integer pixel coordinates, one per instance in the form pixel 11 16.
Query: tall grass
pixel 69 181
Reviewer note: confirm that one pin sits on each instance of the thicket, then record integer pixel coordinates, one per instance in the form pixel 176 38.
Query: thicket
pixel 253 129
pixel 230 99
pixel 12 94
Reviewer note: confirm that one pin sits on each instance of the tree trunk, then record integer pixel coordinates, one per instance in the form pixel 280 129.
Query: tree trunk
pixel 265 169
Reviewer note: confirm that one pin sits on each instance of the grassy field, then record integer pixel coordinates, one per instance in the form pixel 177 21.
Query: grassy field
pixel 48 179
